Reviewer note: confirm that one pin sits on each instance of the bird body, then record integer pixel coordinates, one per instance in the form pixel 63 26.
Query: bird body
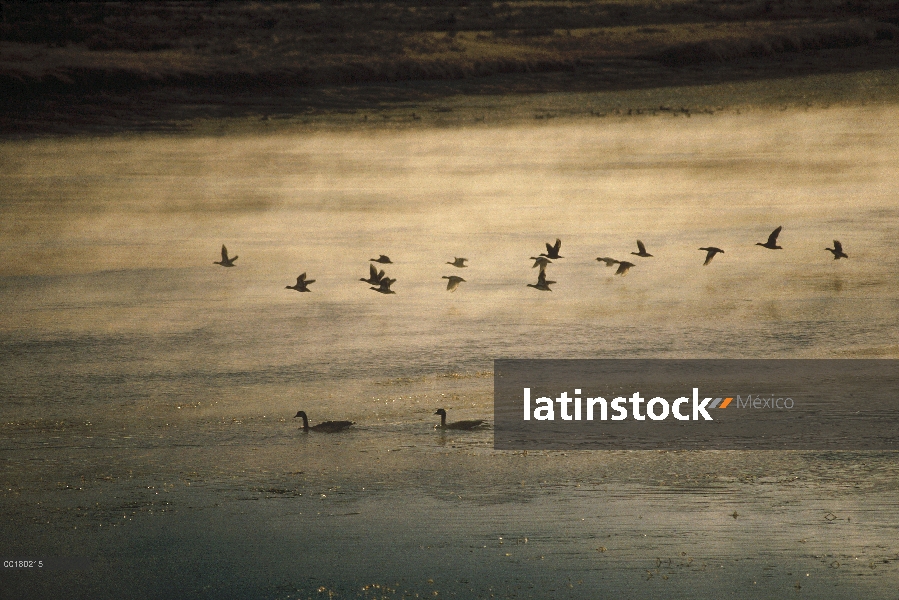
pixel 325 427
pixel 458 262
pixel 771 244
pixel 302 282
pixel 712 251
pixel 382 259
pixel 553 251
pixel 374 276
pixel 641 250
pixel 458 425
pixel 610 262
pixel 453 282
pixel 837 250
pixel 225 262
pixel 623 266
pixel 540 261
pixel 384 286
pixel 542 284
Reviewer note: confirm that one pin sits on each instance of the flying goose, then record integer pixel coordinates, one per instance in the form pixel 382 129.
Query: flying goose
pixel 458 262
pixel 771 244
pixel 302 282
pixel 642 250
pixel 384 286
pixel 623 266
pixel 453 282
pixel 553 251
pixel 374 276
pixel 712 251
pixel 542 284
pixel 225 262
pixel 540 261
pixel 837 250
pixel 326 427
pixel 457 424
pixel 382 259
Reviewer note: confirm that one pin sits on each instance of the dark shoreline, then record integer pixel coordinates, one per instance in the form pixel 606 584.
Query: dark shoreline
pixel 105 68
pixel 169 108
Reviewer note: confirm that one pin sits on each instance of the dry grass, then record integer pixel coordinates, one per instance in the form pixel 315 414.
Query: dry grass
pixel 277 43
pixel 96 49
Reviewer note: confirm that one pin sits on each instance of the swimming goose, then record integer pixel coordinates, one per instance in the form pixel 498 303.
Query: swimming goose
pixel 642 250
pixel 384 286
pixel 540 261
pixel 453 282
pixel 623 266
pixel 712 251
pixel 326 427
pixel 302 282
pixel 837 250
pixel 382 259
pixel 225 262
pixel 610 262
pixel 553 251
pixel 771 244
pixel 542 284
pixel 458 262
pixel 374 276
pixel 457 424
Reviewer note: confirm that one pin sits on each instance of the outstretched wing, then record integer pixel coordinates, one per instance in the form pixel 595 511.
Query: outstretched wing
pixel 372 272
pixel 640 247
pixel 301 278
pixel 837 246
pixel 224 254
pixel 772 239
pixel 558 245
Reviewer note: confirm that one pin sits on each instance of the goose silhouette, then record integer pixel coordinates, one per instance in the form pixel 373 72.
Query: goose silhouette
pixel 542 284
pixel 302 282
pixel 771 244
pixel 712 251
pixel 837 250
pixel 553 251
pixel 623 266
pixel 374 276
pixel 384 260
pixel 225 262
pixel 453 282
pixel 540 261
pixel 641 250
pixel 325 427
pixel 459 425
pixel 458 262
pixel 384 286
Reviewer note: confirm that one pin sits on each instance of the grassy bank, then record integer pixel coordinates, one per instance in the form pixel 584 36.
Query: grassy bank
pixel 59 63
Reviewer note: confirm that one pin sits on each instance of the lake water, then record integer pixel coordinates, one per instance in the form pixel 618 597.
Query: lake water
pixel 148 393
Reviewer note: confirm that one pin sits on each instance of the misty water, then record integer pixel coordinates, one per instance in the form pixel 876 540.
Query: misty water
pixel 148 394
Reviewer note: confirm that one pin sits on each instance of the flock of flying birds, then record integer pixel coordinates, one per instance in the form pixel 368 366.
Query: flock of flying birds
pixel 381 283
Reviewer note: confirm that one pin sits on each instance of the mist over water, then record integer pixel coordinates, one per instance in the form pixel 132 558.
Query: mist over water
pixel 118 327
pixel 108 244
